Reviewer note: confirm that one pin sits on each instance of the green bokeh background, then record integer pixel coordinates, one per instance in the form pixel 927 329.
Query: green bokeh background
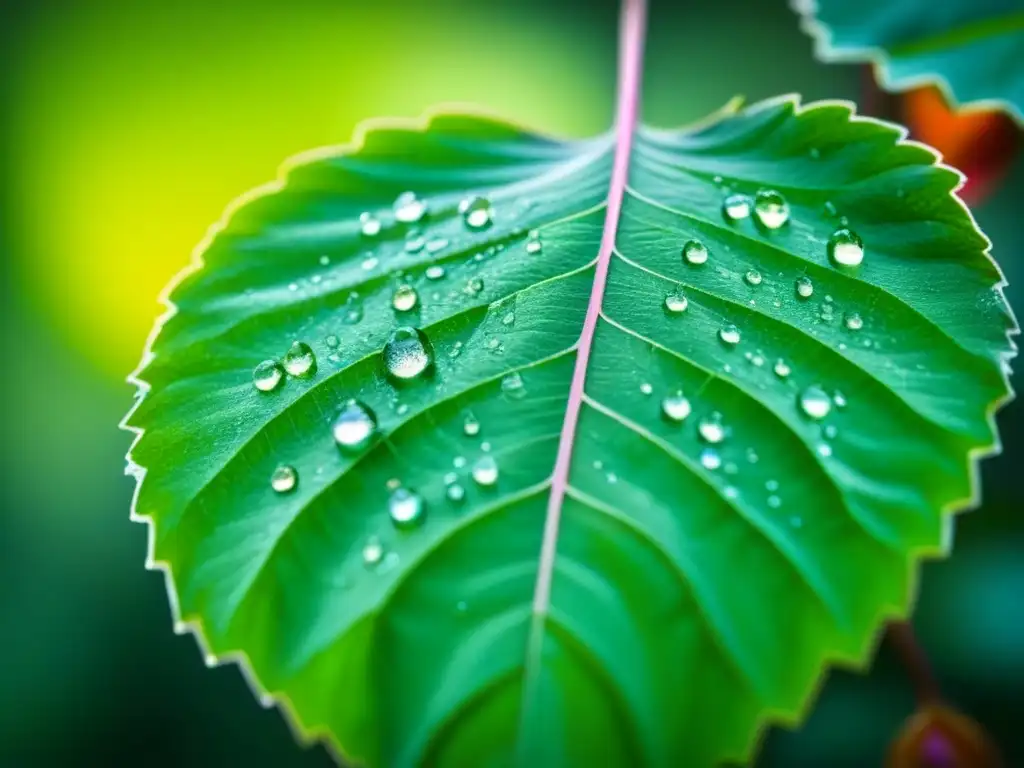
pixel 125 128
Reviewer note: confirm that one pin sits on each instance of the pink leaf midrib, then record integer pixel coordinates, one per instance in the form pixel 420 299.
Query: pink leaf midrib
pixel 631 45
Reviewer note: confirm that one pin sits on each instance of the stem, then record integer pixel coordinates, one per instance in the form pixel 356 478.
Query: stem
pixel 901 636
pixel 631 42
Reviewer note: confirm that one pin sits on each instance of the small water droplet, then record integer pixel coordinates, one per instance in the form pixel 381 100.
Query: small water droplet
pixel 456 350
pixel 830 209
pixel 470 425
pixel 459 462
pixel 612 478
pixel 533 243
pixel 845 248
pixel 804 287
pixel 476 212
pixel 815 403
pixel 731 492
pixel 824 449
pixel 814 152
pixel 774 502
pixel 709 459
pixel 646 388
pixel 414 243
pixel 729 335
pixel 711 428
pixel 407 354
pixel 839 399
pixel 853 321
pixel 435 272
pixel 332 341
pixel 695 252
pixel 405 298
pixel 736 207
pixel 354 426
pixel 676 407
pixel 771 485
pixel 455 493
pixel 406 508
pixel 284 478
pixel 408 208
pixel 485 471
pixel 370 262
pixel 676 302
pixel 373 551
pixel 436 244
pixel 267 376
pixel 752 456
pixel 831 431
pixel 369 224
pixel 753 277
pixel 324 260
pixel 474 285
pixel 509 318
pixel 299 360
pixel 781 368
pixel 512 386
pixel 771 208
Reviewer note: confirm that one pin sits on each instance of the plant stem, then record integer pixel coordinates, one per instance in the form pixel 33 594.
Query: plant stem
pixel 903 639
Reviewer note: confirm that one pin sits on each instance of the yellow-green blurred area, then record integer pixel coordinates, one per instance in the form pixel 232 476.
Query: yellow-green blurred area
pixel 126 126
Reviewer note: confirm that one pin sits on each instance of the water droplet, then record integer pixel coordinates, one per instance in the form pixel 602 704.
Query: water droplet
pixel 459 462
pixel 646 388
pixel 470 425
pixel 407 508
pixel 831 431
pixel 299 360
pixel 369 224
pixel 476 212
pixel 771 208
pixel 332 341
pixel 455 493
pixel 456 350
pixel 853 321
pixel 485 471
pixel 370 262
pixel 815 403
pixel 736 207
pixel 796 521
pixel 830 209
pixel 598 465
pixel 731 492
pixel 267 376
pixel 474 285
pixel 774 502
pixel 711 428
pixel 814 152
pixel 753 277
pixel 729 335
pixel 284 478
pixel 839 399
pixel 804 287
pixel 533 243
pixel 824 449
pixel 781 368
pixel 373 551
pixel 695 252
pixel 485 446
pixel 493 343
pixel 324 260
pixel 407 353
pixel 408 208
pixel 435 272
pixel 509 318
pixel 354 426
pixel 436 244
pixel 845 248
pixel 414 244
pixel 752 456
pixel 612 478
pixel 709 459
pixel 676 407
pixel 771 485
pixel 512 386
pixel 676 302
pixel 405 298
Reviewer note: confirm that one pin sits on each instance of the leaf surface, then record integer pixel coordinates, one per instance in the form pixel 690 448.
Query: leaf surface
pixel 974 49
pixel 631 589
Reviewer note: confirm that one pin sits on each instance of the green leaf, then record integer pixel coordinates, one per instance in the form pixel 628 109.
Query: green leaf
pixel 973 49
pixel 621 582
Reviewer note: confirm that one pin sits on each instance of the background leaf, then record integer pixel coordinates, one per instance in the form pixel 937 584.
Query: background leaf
pixel 702 579
pixel 973 49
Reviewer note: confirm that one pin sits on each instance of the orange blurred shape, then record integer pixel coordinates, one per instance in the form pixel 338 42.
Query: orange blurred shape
pixel 980 142
pixel 939 737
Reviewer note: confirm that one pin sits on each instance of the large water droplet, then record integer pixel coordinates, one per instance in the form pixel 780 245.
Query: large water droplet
pixel 675 407
pixel 729 335
pixel 369 224
pixel 408 208
pixel 476 212
pixel 771 208
pixel 711 428
pixel 485 471
pixel 299 360
pixel 407 508
pixel 405 298
pixel 695 252
pixel 845 248
pixel 853 321
pixel 407 353
pixel 804 287
pixel 736 207
pixel 815 403
pixel 354 426
pixel 284 478
pixel 267 376
pixel 676 302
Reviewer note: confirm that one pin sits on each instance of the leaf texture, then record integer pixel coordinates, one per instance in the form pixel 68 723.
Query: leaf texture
pixel 974 49
pixel 697 585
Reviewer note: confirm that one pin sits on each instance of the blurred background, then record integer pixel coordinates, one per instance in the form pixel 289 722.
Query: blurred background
pixel 126 126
